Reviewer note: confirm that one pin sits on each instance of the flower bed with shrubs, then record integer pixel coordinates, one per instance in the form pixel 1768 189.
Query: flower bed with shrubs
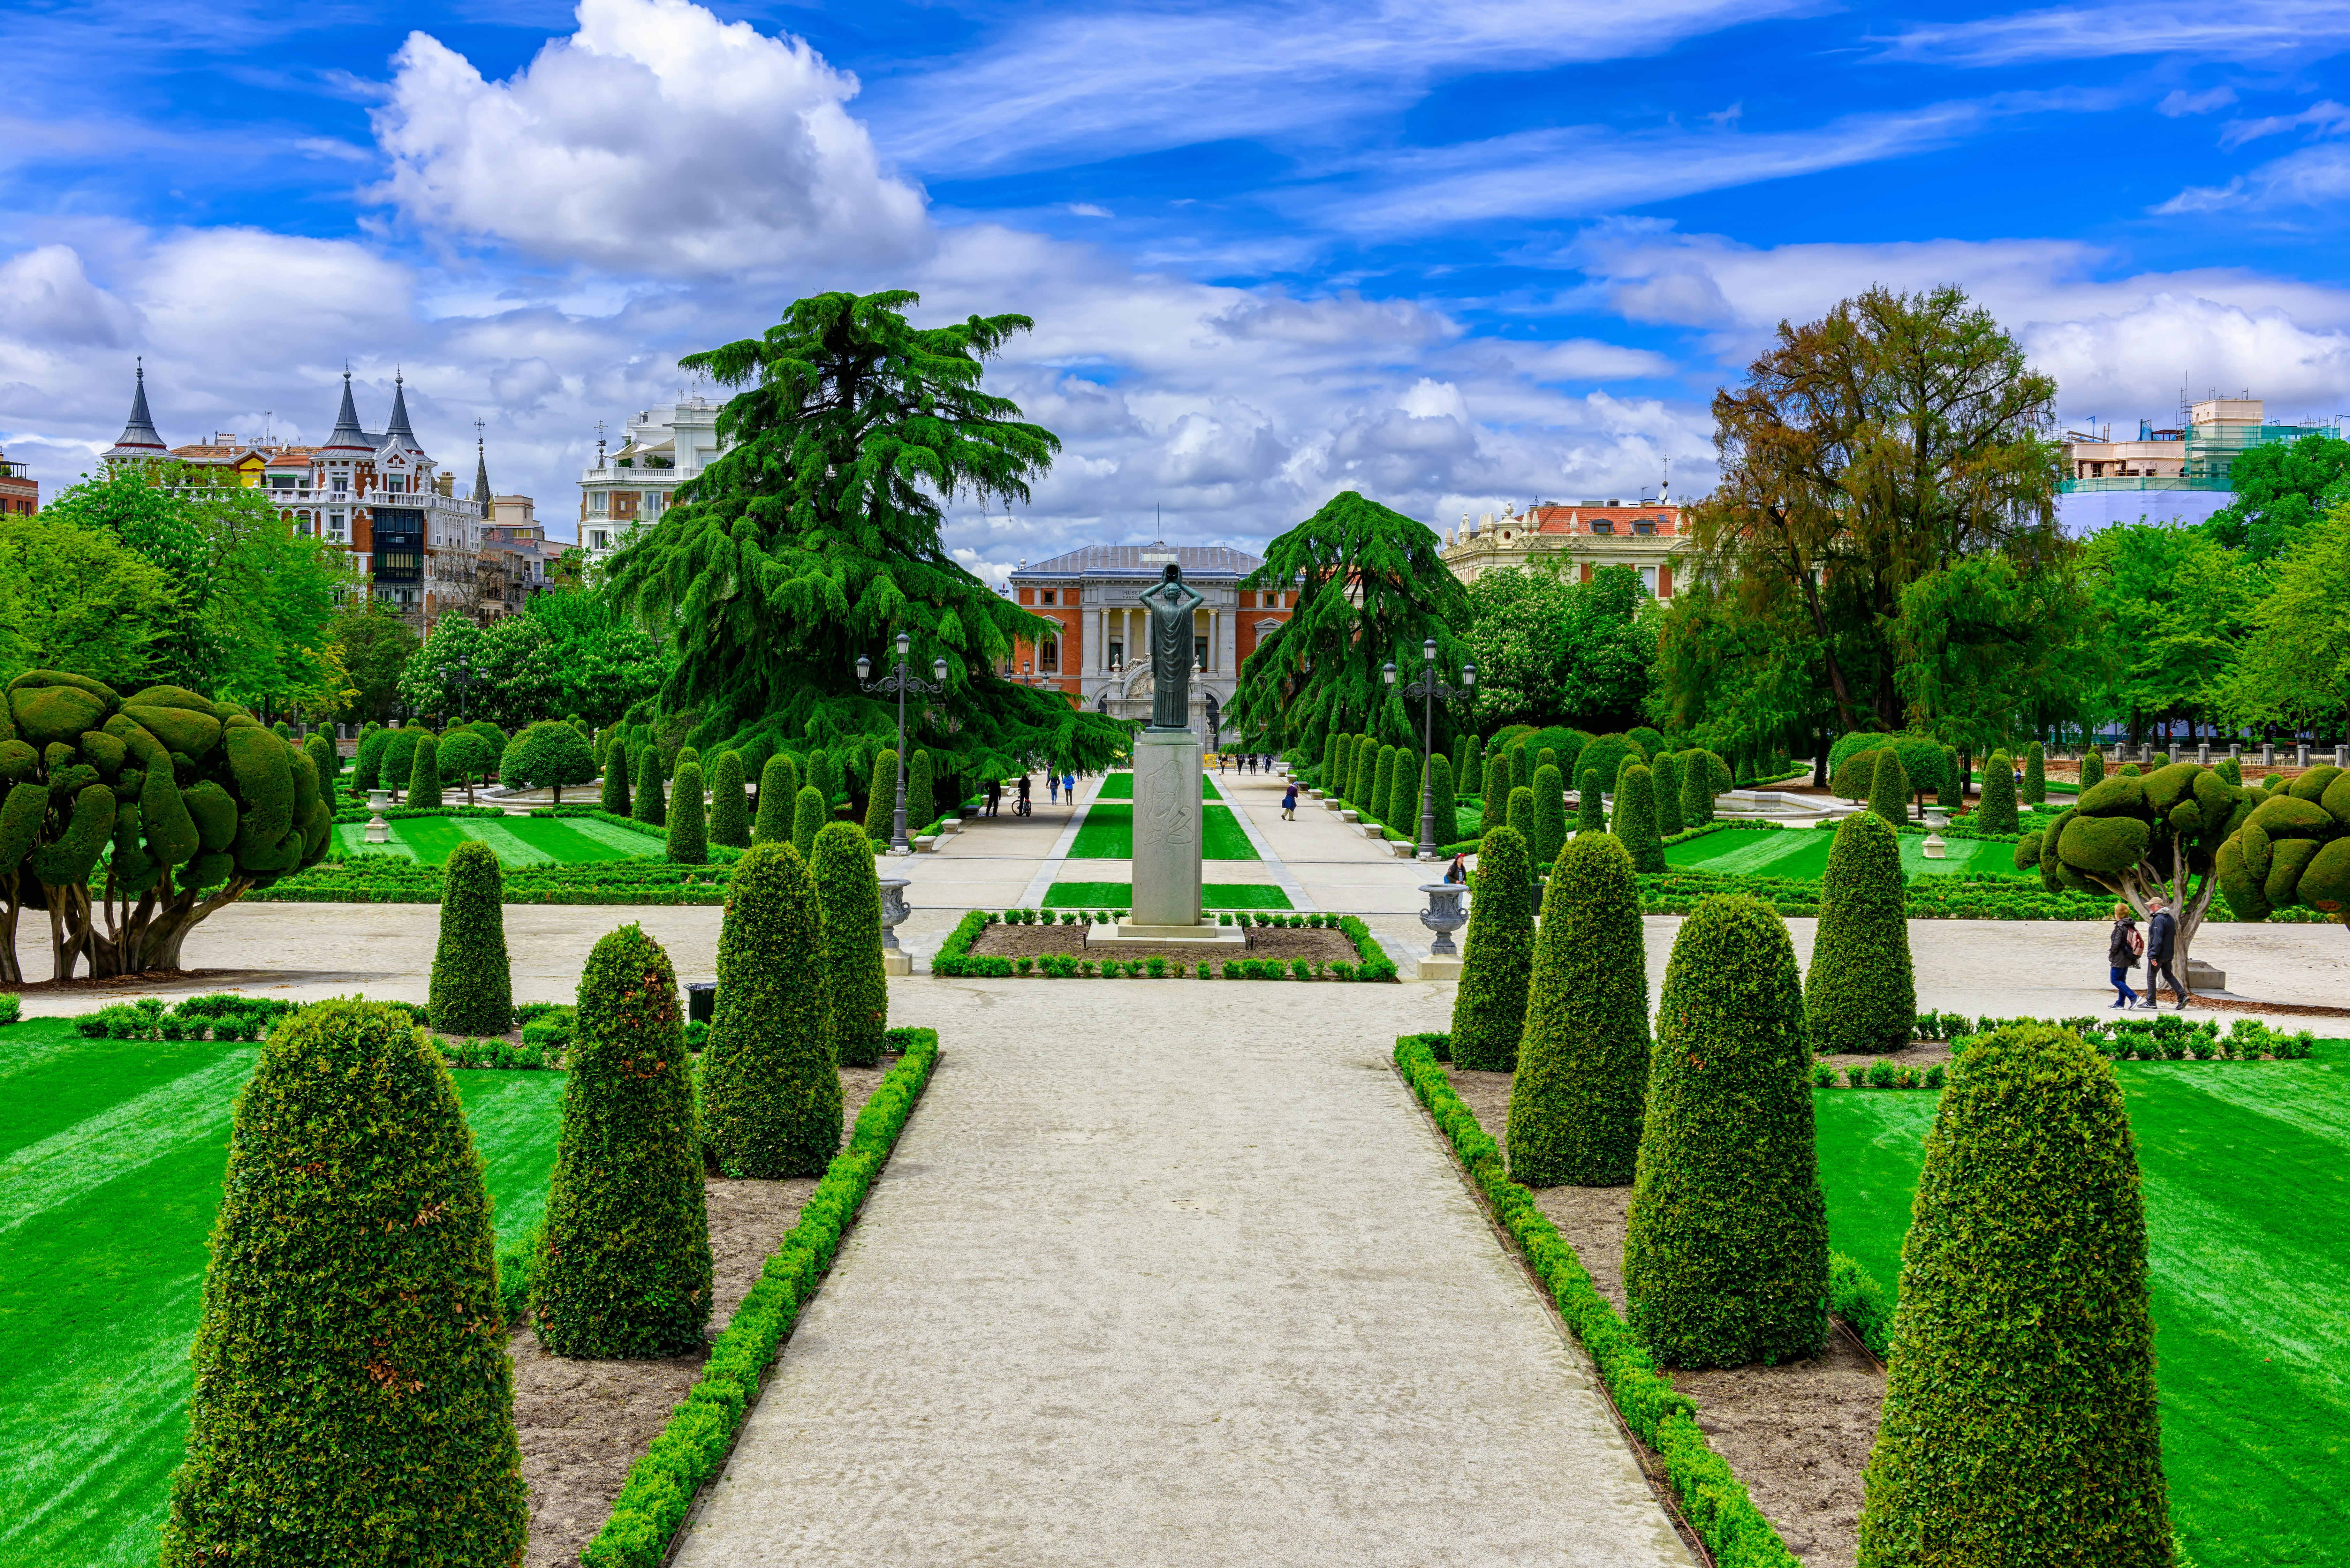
pixel 955 957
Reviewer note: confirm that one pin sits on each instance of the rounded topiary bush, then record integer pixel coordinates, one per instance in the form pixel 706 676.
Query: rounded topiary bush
pixel 1488 1010
pixel 779 789
pixel 353 1400
pixel 1725 1249
pixel 1549 835
pixel 2020 1425
pixel 1590 804
pixel 770 1089
pixel 882 799
pixel 1665 777
pixel 624 1264
pixel 1995 809
pixel 922 810
pixel 1607 754
pixel 2035 774
pixel 472 991
pixel 1583 1063
pixel 689 837
pixel 1889 787
pixel 1636 820
pixel 730 803
pixel 649 807
pixel 1495 801
pixel 1861 994
pixel 849 898
pixel 1519 818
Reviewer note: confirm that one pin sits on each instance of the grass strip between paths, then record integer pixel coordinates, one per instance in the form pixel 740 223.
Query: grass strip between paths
pixel 657 1496
pixel 1712 1497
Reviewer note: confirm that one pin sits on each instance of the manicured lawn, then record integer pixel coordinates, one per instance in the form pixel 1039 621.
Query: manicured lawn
pixel 111 1154
pixel 2247 1183
pixel 518 840
pixel 1804 853
pixel 1120 786
pixel 1108 834
pixel 1120 895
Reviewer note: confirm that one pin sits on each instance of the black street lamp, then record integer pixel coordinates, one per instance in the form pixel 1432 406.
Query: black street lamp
pixel 1427 688
pixel 900 681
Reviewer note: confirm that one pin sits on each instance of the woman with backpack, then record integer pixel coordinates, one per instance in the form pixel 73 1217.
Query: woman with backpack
pixel 2122 950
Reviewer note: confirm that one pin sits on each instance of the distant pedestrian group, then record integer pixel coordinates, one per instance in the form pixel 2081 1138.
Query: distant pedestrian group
pixel 2124 946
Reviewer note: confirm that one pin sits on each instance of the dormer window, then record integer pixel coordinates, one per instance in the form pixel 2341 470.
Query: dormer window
pixel 1644 525
pixel 1603 526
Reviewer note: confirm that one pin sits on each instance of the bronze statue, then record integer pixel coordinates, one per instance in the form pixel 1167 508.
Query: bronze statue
pixel 1172 653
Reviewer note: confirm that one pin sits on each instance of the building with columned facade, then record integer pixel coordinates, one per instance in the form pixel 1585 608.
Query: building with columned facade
pixel 1588 535
pixel 631 487
pixel 1100 657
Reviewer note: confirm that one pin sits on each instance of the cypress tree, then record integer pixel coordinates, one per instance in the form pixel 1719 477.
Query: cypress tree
pixel 326 760
pixel 1665 775
pixel 2020 1426
pixel 616 777
pixel 1522 815
pixel 1494 805
pixel 1448 804
pixel 400 758
pixel 1366 771
pixel 730 806
pixel 1472 766
pixel 1489 1010
pixel 1995 811
pixel 1726 1246
pixel 424 775
pixel 1591 805
pixel 624 1261
pixel 809 816
pixel 471 990
pixel 1549 835
pixel 688 838
pixel 1953 792
pixel 922 810
pixel 1339 774
pixel 1888 788
pixel 1382 784
pixel 1522 766
pixel 881 800
pixel 686 756
pixel 777 792
pixel 849 899
pixel 1330 750
pixel 1635 820
pixel 353 1400
pixel 2035 774
pixel 649 806
pixel 1403 796
pixel 1583 1065
pixel 770 1091
pixel 1861 994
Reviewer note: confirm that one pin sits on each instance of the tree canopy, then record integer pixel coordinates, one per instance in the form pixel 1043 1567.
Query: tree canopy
pixel 2281 488
pixel 815 539
pixel 1547 646
pixel 80 599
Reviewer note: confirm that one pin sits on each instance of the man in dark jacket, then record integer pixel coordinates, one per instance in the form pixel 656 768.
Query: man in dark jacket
pixel 2161 935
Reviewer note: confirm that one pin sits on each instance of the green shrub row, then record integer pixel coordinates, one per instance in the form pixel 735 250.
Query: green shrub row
pixel 2162 1036
pixel 1288 919
pixel 661 1484
pixel 405 813
pixel 1879 1075
pixel 1712 1497
pixel 954 956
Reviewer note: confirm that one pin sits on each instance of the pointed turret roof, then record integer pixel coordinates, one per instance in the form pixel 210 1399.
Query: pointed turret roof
pixel 481 479
pixel 348 437
pixel 399 427
pixel 138 438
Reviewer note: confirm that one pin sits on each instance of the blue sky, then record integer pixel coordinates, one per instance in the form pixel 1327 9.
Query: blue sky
pixel 1453 255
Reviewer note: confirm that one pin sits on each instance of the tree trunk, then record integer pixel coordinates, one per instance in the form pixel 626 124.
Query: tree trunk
pixel 11 972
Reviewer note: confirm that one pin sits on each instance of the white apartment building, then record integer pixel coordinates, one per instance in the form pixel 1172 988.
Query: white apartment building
pixel 663 449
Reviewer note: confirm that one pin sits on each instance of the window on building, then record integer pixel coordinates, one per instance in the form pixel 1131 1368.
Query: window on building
pixel 597 539
pixel 1644 525
pixel 334 524
pixel 1199 650
pixel 597 502
pixel 342 484
pixel 1117 653
pixel 1048 595
pixel 1048 655
pixel 1603 526
pixel 396 483
pixel 1649 580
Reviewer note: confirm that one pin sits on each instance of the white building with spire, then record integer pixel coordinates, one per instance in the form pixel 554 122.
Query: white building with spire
pixel 633 486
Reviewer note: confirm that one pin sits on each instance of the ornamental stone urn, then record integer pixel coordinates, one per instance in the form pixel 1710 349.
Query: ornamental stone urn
pixel 378 830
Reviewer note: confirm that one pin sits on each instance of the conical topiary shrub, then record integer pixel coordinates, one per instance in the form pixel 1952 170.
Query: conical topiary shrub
pixel 323 757
pixel 881 800
pixel 1583 1063
pixel 1665 779
pixel 1726 1247
pixel 649 806
pixel 730 803
pixel 689 839
pixel 1591 805
pixel 2020 1426
pixel 1402 815
pixel 1549 834
pixel 1995 811
pixel 1953 790
pixel 1382 784
pixel 770 1091
pixel 809 815
pixel 2035 774
pixel 1861 994
pixel 616 777
pixel 1366 772
pixel 1448 804
pixel 424 775
pixel 1636 820
pixel 778 796
pixel 1489 1010
pixel 1888 788
pixel 921 809
pixel 400 759
pixel 1495 803
pixel 624 1261
pixel 848 896
pixel 367 768
pixel 472 991
pixel 353 1399
pixel 1330 750
pixel 2093 769
pixel 1470 766
pixel 1520 816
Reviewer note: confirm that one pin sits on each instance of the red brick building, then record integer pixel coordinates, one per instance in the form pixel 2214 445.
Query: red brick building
pixel 20 495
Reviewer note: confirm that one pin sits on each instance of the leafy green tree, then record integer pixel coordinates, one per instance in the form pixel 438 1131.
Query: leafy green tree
pixel 74 598
pixel 2162 834
pixel 771 1092
pixel 815 539
pixel 2281 488
pixel 1546 644
pixel 2292 667
pixel 602 665
pixel 1488 1010
pixel 1992 642
pixel 1371 585
pixel 373 643
pixel 1583 1066
pixel 2172 606
pixel 353 1400
pixel 547 757
pixel 465 755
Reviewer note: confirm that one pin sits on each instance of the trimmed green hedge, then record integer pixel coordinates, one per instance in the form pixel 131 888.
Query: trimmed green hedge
pixel 1861 994
pixel 848 901
pixel 1712 1497
pixel 1583 1064
pixel 770 1087
pixel 954 957
pixel 660 1487
pixel 1489 1009
pixel 471 990
pixel 730 802
pixel 688 838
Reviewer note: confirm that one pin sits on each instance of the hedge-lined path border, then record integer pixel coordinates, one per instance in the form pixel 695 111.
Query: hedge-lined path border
pixel 1156 1283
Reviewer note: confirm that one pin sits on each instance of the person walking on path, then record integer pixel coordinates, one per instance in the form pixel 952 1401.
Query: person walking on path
pixel 2122 949
pixel 1022 808
pixel 994 795
pixel 1459 870
pixel 1053 782
pixel 1069 787
pixel 2161 933
pixel 1289 805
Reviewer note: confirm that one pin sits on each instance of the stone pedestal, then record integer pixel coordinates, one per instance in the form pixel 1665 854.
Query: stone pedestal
pixel 1167 830
pixel 2200 976
pixel 899 962
pixel 1934 848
